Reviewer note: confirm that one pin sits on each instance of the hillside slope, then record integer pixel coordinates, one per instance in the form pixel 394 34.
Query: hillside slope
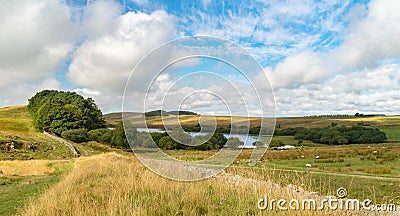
pixel 19 140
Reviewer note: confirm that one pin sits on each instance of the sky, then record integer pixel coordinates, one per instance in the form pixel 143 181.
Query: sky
pixel 320 57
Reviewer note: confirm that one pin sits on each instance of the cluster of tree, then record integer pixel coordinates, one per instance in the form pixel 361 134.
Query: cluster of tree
pixel 165 113
pixel 114 138
pixel 367 115
pixel 181 113
pixel 156 113
pixel 58 111
pixel 336 135
pixel 335 116
pixel 183 141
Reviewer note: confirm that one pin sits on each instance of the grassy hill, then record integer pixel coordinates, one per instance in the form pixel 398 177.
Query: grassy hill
pixel 26 173
pixel 283 122
pixel 16 129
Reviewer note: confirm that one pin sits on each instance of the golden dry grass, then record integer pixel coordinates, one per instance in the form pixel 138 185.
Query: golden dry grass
pixel 29 167
pixel 112 184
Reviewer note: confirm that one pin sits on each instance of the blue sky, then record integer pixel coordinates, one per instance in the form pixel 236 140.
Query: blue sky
pixel 321 57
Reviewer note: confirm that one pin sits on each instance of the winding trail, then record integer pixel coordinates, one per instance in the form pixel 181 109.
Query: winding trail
pixel 69 145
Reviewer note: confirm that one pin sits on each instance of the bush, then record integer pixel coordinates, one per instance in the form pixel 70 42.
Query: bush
pixel 276 143
pixel 118 138
pixel 101 135
pixel 233 142
pixel 168 143
pixel 217 141
pixel 76 135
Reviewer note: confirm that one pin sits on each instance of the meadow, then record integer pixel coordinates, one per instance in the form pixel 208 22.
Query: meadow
pixel 113 184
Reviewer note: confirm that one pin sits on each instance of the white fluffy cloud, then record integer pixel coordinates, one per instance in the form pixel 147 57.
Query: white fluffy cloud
pixel 36 37
pixel 373 38
pixel 368 42
pixel 374 90
pixel 352 77
pixel 104 61
pixel 18 94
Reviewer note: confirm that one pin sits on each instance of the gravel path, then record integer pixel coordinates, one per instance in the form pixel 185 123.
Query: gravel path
pixel 69 145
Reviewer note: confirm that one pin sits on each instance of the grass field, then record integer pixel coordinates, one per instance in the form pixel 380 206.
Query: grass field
pixel 355 167
pixel 21 183
pixel 393 134
pixel 119 185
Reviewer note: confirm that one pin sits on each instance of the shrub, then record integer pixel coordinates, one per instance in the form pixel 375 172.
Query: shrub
pixel 76 135
pixel 101 135
pixel 168 143
pixel 276 143
pixel 234 142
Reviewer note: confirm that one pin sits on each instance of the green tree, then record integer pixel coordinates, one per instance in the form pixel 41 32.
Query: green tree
pixel 233 142
pixel 118 138
pixel 168 143
pixel 76 135
pixel 101 135
pixel 58 111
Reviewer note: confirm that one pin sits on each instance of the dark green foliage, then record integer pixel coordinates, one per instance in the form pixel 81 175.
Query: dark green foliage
pixel 276 143
pixel 181 113
pixel 156 113
pixel 118 138
pixel 168 143
pixel 165 113
pixel 102 135
pixel 164 141
pixel 76 135
pixel 233 142
pixel 336 135
pixel 58 111
pixel 217 141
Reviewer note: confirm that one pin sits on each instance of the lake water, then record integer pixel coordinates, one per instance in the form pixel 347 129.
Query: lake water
pixel 248 140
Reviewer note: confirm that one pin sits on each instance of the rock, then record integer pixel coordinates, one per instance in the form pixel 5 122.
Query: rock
pixel 308 165
pixel 1 172
pixel 317 157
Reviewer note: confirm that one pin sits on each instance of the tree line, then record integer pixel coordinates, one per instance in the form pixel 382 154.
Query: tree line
pixel 336 135
pixel 71 116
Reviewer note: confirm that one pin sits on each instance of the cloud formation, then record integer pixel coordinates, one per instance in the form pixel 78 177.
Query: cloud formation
pixel 104 61
pixel 36 37
pixel 368 42
pixel 321 56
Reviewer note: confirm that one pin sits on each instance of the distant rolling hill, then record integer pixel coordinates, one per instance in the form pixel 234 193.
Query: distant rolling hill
pixel 156 121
